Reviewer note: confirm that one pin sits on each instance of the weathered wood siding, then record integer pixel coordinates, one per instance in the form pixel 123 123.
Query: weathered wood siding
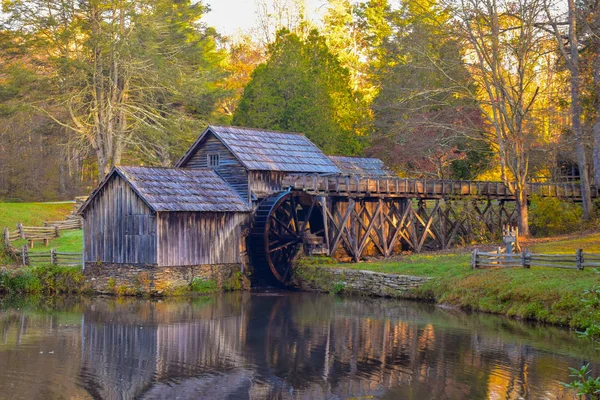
pixel 230 169
pixel 265 183
pixel 193 238
pixel 119 227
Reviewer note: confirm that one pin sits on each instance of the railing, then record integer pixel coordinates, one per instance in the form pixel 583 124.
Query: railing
pixel 52 257
pixel 69 223
pixel 578 261
pixel 425 188
pixel 38 233
pixel 50 230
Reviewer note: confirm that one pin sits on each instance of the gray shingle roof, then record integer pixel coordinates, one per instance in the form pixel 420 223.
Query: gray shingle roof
pixel 173 189
pixel 361 166
pixel 264 150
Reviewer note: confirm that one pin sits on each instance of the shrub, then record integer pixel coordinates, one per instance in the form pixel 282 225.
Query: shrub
pixel 200 285
pixel 48 279
pixel 552 216
pixel 337 288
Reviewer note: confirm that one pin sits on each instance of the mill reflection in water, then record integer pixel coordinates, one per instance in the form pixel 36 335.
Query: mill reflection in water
pixel 278 345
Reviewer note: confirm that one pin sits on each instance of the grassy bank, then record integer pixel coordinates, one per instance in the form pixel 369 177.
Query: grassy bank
pixel 33 214
pixel 543 294
pixel 43 279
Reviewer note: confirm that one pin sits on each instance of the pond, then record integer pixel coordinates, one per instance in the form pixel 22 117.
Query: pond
pixel 280 345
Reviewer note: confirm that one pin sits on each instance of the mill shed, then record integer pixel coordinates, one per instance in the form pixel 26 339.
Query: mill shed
pixel 362 166
pixel 255 161
pixel 163 217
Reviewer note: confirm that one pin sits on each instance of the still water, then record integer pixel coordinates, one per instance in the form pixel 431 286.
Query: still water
pixel 276 345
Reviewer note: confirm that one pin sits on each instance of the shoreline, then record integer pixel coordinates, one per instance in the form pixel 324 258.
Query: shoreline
pixel 568 311
pixel 538 294
pixel 548 295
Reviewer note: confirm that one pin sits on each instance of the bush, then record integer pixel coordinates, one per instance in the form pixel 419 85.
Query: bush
pixel 200 285
pixel 552 216
pixel 48 279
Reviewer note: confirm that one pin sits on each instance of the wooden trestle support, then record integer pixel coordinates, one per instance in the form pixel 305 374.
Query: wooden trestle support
pixel 361 227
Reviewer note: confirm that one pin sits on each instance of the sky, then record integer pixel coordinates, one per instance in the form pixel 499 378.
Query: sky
pixel 233 16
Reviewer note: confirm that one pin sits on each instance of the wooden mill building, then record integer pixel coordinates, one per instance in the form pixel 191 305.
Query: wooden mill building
pixel 254 162
pixel 163 216
pixel 243 197
pixel 196 216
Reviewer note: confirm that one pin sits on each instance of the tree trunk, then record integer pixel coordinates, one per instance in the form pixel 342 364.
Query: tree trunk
pixel 597 109
pixel 597 146
pixel 103 165
pixel 576 113
pixel 522 206
pixel 523 210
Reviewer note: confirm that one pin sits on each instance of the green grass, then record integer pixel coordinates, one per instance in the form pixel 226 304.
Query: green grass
pixel 588 242
pixel 545 294
pixel 32 214
pixel 69 241
pixel 203 286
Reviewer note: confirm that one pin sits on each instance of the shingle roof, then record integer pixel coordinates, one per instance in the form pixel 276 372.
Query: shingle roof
pixel 173 189
pixel 361 166
pixel 264 150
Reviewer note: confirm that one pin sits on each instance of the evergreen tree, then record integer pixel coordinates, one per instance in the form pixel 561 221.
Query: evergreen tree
pixel 303 88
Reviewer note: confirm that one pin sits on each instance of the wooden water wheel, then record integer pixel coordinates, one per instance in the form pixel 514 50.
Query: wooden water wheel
pixel 283 222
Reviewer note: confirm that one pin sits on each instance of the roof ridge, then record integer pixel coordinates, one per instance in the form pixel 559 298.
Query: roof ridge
pixel 258 129
pixel 355 157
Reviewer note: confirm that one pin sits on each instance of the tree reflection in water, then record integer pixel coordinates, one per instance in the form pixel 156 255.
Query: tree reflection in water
pixel 279 345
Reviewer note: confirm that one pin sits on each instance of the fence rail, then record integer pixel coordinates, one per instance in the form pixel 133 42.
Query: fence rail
pixel 579 260
pixel 425 188
pixel 71 223
pixel 51 257
pixel 38 233
pixel 50 230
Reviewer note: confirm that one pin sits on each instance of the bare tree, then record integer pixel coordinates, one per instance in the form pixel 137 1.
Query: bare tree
pixel 591 27
pixel 114 67
pixel 280 14
pixel 568 44
pixel 503 50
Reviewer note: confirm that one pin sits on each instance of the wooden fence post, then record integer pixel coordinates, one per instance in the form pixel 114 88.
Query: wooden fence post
pixel 7 237
pixel 474 259
pixel 53 257
pixel 24 255
pixel 525 259
pixel 21 231
pixel 579 259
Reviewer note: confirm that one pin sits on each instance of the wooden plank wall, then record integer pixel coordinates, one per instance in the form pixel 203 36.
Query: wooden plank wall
pixel 265 183
pixel 119 227
pixel 230 169
pixel 192 238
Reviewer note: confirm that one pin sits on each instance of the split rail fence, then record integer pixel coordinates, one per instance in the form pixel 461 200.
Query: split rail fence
pixel 50 230
pixel 52 257
pixel 579 260
pixel 69 223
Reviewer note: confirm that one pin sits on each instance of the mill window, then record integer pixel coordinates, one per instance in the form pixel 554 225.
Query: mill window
pixel 213 160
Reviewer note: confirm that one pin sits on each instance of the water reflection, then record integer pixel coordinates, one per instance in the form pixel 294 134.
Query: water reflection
pixel 283 345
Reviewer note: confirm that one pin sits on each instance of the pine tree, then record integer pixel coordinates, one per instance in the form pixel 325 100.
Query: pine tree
pixel 303 88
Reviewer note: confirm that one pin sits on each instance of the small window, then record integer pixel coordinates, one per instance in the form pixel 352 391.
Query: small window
pixel 213 160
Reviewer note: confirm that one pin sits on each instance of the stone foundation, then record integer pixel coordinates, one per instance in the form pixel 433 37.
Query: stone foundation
pixel 153 279
pixel 336 280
